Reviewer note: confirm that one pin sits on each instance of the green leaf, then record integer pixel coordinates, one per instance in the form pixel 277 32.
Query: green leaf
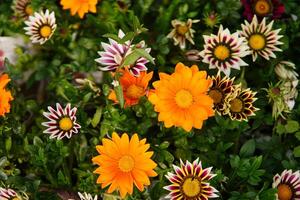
pixel 97 117
pixel 248 148
pixel 145 54
pixel 3 160
pixel 8 144
pixel 131 58
pixel 297 135
pixel 292 126
pixel 113 36
pixel 129 36
pixel 119 93
pixel 297 151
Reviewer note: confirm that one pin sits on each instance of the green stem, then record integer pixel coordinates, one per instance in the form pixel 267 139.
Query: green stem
pixel 49 176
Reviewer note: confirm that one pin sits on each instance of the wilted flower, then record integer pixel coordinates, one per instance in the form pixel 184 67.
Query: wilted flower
pixel 263 8
pixel 212 19
pixel 191 181
pixel 224 51
pixel 261 39
pixel 182 31
pixel 41 26
pixel 86 196
pixel 287 185
pixel 193 55
pixel 286 71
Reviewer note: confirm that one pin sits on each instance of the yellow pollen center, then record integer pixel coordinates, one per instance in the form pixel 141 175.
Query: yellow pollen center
pixel 45 31
pixel 15 198
pixel 262 7
pixel 221 52
pixel 182 29
pixel 184 99
pixel 134 91
pixel 216 95
pixel 28 10
pixel 236 105
pixel 65 124
pixel 191 187
pixel 284 192
pixel 257 41
pixel 126 163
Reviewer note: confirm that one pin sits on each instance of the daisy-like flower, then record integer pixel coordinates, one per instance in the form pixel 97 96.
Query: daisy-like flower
pixel 124 162
pixel 41 26
pixel 114 54
pixel 263 8
pixel 288 185
pixel 22 8
pixel 191 181
pixel 182 31
pixel 224 51
pixel 239 104
pixel 86 196
pixel 220 89
pixel 181 98
pixel 62 122
pixel 261 39
pixel 7 194
pixel 133 87
pixel 5 95
pixel 80 6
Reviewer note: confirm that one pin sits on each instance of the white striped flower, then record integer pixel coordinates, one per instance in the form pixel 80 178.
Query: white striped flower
pixel 22 8
pixel 62 122
pixel 224 51
pixel 7 194
pixel 41 26
pixel 86 196
pixel 261 39
pixel 287 185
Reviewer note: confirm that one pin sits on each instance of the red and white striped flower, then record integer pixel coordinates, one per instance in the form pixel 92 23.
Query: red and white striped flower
pixel 7 194
pixel 261 39
pixel 224 50
pixel 191 181
pixel 22 8
pixel 62 122
pixel 41 26
pixel 287 185
pixel 114 54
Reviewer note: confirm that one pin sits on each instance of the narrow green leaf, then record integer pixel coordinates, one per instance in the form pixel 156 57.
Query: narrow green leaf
pixel 129 36
pixel 119 94
pixel 97 117
pixel 131 58
pixel 145 54
pixel 297 151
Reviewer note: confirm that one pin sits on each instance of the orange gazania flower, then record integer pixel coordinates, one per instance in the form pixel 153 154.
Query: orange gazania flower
pixel 133 87
pixel 5 96
pixel 181 98
pixel 124 162
pixel 79 6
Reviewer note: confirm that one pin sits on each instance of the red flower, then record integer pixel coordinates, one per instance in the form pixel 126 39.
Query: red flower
pixel 263 8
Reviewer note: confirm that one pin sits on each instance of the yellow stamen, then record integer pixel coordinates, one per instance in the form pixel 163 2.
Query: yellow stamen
pixel 65 124
pixel 284 192
pixel 182 29
pixel 257 41
pixel 126 163
pixel 191 187
pixel 222 52
pixel 216 95
pixel 262 7
pixel 184 99
pixel 134 91
pixel 45 31
pixel 28 10
pixel 236 105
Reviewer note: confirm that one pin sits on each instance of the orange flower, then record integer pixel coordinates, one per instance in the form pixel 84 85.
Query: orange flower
pixel 79 6
pixel 124 162
pixel 181 98
pixel 133 87
pixel 5 96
